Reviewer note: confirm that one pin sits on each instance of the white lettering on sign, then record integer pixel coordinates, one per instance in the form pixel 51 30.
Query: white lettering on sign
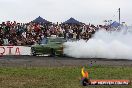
pixel 110 82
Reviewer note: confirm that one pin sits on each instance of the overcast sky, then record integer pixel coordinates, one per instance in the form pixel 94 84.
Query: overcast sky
pixel 93 11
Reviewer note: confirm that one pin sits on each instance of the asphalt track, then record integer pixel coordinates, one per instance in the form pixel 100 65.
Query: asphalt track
pixel 41 61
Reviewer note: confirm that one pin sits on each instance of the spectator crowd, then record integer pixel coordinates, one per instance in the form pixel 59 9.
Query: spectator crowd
pixel 13 33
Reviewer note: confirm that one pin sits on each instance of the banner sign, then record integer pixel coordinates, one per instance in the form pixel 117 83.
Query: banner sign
pixel 110 82
pixel 15 50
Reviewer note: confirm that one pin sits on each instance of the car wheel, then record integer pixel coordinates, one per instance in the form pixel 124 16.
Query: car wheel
pixel 33 53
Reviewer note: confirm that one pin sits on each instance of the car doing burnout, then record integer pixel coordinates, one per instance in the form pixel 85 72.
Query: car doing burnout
pixel 49 46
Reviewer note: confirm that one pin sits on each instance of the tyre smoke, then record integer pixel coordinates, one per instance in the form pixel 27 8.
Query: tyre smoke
pixel 104 44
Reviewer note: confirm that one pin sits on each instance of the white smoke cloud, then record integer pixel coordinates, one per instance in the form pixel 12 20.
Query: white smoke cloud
pixel 111 45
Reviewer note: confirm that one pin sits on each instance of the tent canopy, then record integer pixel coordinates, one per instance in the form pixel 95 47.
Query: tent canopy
pixel 115 24
pixel 40 20
pixel 72 21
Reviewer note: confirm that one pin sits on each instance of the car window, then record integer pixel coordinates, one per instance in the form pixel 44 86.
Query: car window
pixel 44 41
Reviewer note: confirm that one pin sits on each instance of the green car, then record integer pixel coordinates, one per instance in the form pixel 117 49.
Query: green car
pixel 50 46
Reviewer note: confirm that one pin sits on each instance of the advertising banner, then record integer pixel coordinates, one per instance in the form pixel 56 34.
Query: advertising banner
pixel 15 50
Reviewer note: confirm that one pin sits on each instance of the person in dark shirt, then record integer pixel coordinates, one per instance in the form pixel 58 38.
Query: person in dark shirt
pixel 1 42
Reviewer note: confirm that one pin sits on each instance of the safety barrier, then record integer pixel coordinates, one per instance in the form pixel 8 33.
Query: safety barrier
pixel 15 50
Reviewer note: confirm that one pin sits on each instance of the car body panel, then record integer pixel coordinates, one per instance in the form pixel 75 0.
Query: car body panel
pixel 53 45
